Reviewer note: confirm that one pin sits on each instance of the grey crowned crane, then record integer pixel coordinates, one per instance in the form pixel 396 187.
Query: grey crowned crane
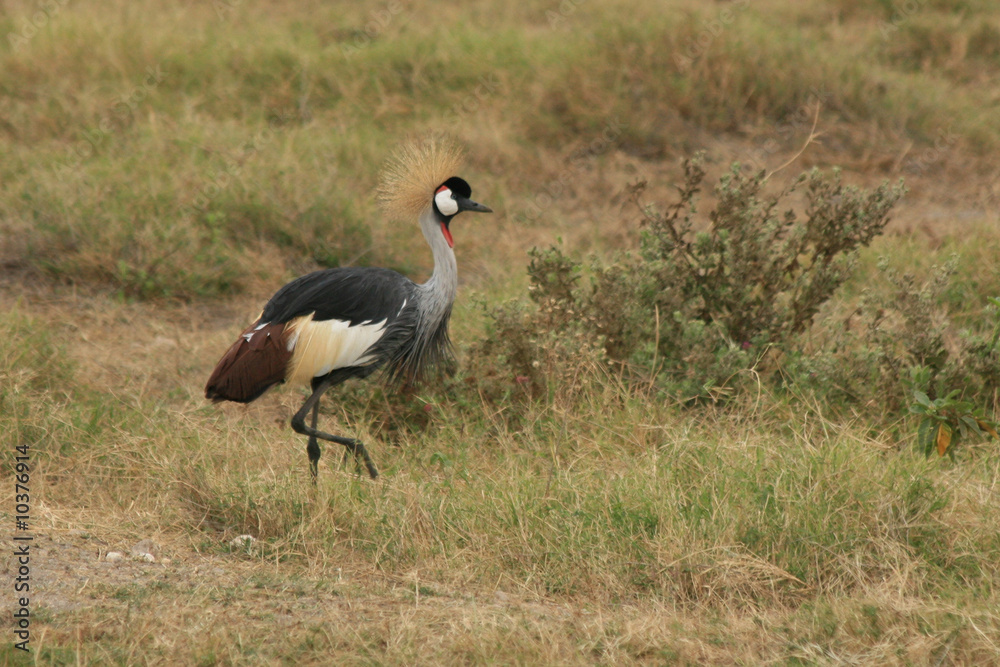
pixel 332 325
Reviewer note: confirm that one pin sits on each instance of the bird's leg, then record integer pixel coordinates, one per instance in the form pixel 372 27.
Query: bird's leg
pixel 312 449
pixel 352 445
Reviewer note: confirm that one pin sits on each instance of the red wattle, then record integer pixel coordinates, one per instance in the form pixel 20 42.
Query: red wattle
pixel 447 235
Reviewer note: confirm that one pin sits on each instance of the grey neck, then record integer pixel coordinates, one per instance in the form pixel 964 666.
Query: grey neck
pixel 439 291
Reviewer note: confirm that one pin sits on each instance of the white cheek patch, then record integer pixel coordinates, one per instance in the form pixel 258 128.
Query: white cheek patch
pixel 445 203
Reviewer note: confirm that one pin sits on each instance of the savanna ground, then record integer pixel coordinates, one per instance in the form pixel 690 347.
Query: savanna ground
pixel 166 165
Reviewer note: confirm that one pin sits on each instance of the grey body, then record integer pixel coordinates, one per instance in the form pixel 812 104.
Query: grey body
pixel 329 326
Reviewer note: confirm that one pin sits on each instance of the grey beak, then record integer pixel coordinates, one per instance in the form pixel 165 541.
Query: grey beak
pixel 469 205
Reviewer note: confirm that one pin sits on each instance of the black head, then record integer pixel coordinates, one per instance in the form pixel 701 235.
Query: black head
pixel 452 197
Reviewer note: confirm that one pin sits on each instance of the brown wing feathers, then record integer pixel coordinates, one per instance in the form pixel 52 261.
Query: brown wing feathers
pixel 255 362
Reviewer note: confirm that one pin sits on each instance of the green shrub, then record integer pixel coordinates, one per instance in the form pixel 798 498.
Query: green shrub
pixel 705 309
pixel 697 306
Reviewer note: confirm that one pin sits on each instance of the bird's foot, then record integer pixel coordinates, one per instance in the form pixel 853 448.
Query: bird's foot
pixel 360 454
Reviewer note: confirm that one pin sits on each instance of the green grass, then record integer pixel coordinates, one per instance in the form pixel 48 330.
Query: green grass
pixel 165 168
pixel 181 163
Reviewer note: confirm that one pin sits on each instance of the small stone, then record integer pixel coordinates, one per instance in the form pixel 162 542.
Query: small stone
pixel 146 557
pixel 242 541
pixel 166 561
pixel 114 556
pixel 146 548
pixel 163 341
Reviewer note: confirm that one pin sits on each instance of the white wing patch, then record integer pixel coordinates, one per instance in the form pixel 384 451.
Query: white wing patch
pixel 320 347
pixel 249 335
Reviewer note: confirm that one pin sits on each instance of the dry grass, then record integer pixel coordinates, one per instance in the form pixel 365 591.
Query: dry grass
pixel 612 531
pixel 145 214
